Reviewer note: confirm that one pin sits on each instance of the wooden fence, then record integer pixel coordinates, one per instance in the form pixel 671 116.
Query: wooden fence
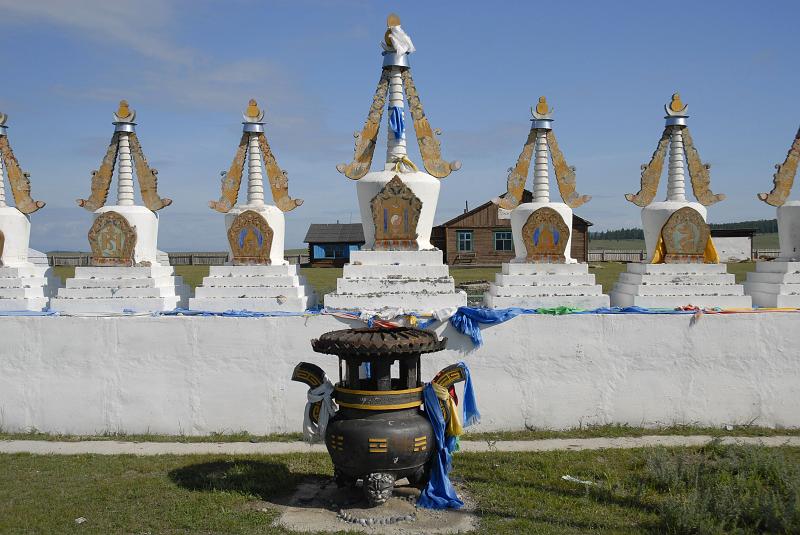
pixel 612 255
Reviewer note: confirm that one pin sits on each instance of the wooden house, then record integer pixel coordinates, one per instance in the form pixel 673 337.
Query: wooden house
pixel 330 244
pixel 479 237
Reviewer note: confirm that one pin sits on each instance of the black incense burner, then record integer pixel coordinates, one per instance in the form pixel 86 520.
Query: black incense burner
pixel 379 434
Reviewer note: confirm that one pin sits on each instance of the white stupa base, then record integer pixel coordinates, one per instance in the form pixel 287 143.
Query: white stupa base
pixel 520 215
pixel 276 221
pixel 655 214
pixel 774 284
pixel 425 187
pixel 544 286
pixel 255 289
pixel 414 281
pixel 109 289
pixel 789 231
pixel 16 229
pixel 675 285
pixel 146 223
pixel 26 288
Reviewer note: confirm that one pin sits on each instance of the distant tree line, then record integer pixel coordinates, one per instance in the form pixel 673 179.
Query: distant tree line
pixel 762 226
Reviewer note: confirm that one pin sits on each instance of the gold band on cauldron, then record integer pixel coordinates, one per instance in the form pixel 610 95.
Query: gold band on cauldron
pixel 378 400
pixel 380 407
pixel 378 392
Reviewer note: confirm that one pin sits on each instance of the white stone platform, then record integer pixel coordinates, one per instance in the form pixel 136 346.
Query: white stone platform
pixel 26 288
pixel 545 285
pixel 110 289
pixel 415 281
pixel 774 284
pixel 674 285
pixel 254 288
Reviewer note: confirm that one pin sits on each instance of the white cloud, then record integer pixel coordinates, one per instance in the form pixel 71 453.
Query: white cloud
pixel 140 26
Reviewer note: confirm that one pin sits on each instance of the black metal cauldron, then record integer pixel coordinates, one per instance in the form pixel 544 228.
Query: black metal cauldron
pixel 379 434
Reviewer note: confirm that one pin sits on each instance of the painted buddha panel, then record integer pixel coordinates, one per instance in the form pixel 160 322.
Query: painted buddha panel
pixel 250 239
pixel 545 235
pixel 395 213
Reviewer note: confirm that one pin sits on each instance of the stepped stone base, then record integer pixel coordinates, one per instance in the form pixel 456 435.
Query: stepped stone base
pixel 545 286
pixel 26 288
pixel 774 284
pixel 254 288
pixel 415 281
pixel 121 289
pixel 675 285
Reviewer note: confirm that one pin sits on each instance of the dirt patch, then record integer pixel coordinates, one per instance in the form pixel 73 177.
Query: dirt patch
pixel 318 505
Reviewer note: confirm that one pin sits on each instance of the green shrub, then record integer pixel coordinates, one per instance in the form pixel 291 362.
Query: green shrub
pixel 726 489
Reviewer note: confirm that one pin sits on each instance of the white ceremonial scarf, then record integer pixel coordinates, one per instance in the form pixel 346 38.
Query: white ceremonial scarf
pixel 401 42
pixel 311 431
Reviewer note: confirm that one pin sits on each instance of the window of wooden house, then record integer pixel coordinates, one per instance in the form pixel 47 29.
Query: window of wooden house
pixel 503 240
pixel 464 241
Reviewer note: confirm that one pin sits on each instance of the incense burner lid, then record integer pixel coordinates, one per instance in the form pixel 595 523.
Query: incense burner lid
pixel 378 342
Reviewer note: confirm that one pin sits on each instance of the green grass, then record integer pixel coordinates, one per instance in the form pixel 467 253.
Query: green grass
pixel 711 490
pixel 592 431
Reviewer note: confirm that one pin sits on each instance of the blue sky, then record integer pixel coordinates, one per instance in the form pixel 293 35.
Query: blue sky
pixel 189 67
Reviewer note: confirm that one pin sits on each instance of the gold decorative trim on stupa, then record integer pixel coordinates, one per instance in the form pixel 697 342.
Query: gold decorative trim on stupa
pixel 232 178
pixel 366 140
pixel 698 170
pixel 783 179
pixel 18 180
pixel 542 115
pixel 147 176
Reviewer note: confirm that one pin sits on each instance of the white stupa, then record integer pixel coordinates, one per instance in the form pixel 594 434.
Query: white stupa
pixel 25 285
pixel 682 266
pixel 257 277
pixel 125 273
pixel 398 268
pixel 543 274
pixel 777 283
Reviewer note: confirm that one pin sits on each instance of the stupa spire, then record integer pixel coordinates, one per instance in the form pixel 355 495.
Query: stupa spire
pixel 542 146
pixel 125 147
pixel 397 82
pixel 683 156
pixel 255 150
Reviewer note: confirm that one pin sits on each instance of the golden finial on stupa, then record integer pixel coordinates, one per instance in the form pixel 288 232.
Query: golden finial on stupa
pixel 676 104
pixel 542 108
pixel 124 114
pixel 676 107
pixel 252 109
pixel 123 110
pixel 3 119
pixel 392 20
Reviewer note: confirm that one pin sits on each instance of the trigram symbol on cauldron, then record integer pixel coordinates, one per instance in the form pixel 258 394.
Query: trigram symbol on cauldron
pixel 378 445
pixel 337 442
pixel 420 443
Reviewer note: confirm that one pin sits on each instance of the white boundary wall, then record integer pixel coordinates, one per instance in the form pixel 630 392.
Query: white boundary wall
pixel 196 375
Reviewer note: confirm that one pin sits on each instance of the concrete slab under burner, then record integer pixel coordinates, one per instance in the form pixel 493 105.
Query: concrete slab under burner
pixel 319 506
